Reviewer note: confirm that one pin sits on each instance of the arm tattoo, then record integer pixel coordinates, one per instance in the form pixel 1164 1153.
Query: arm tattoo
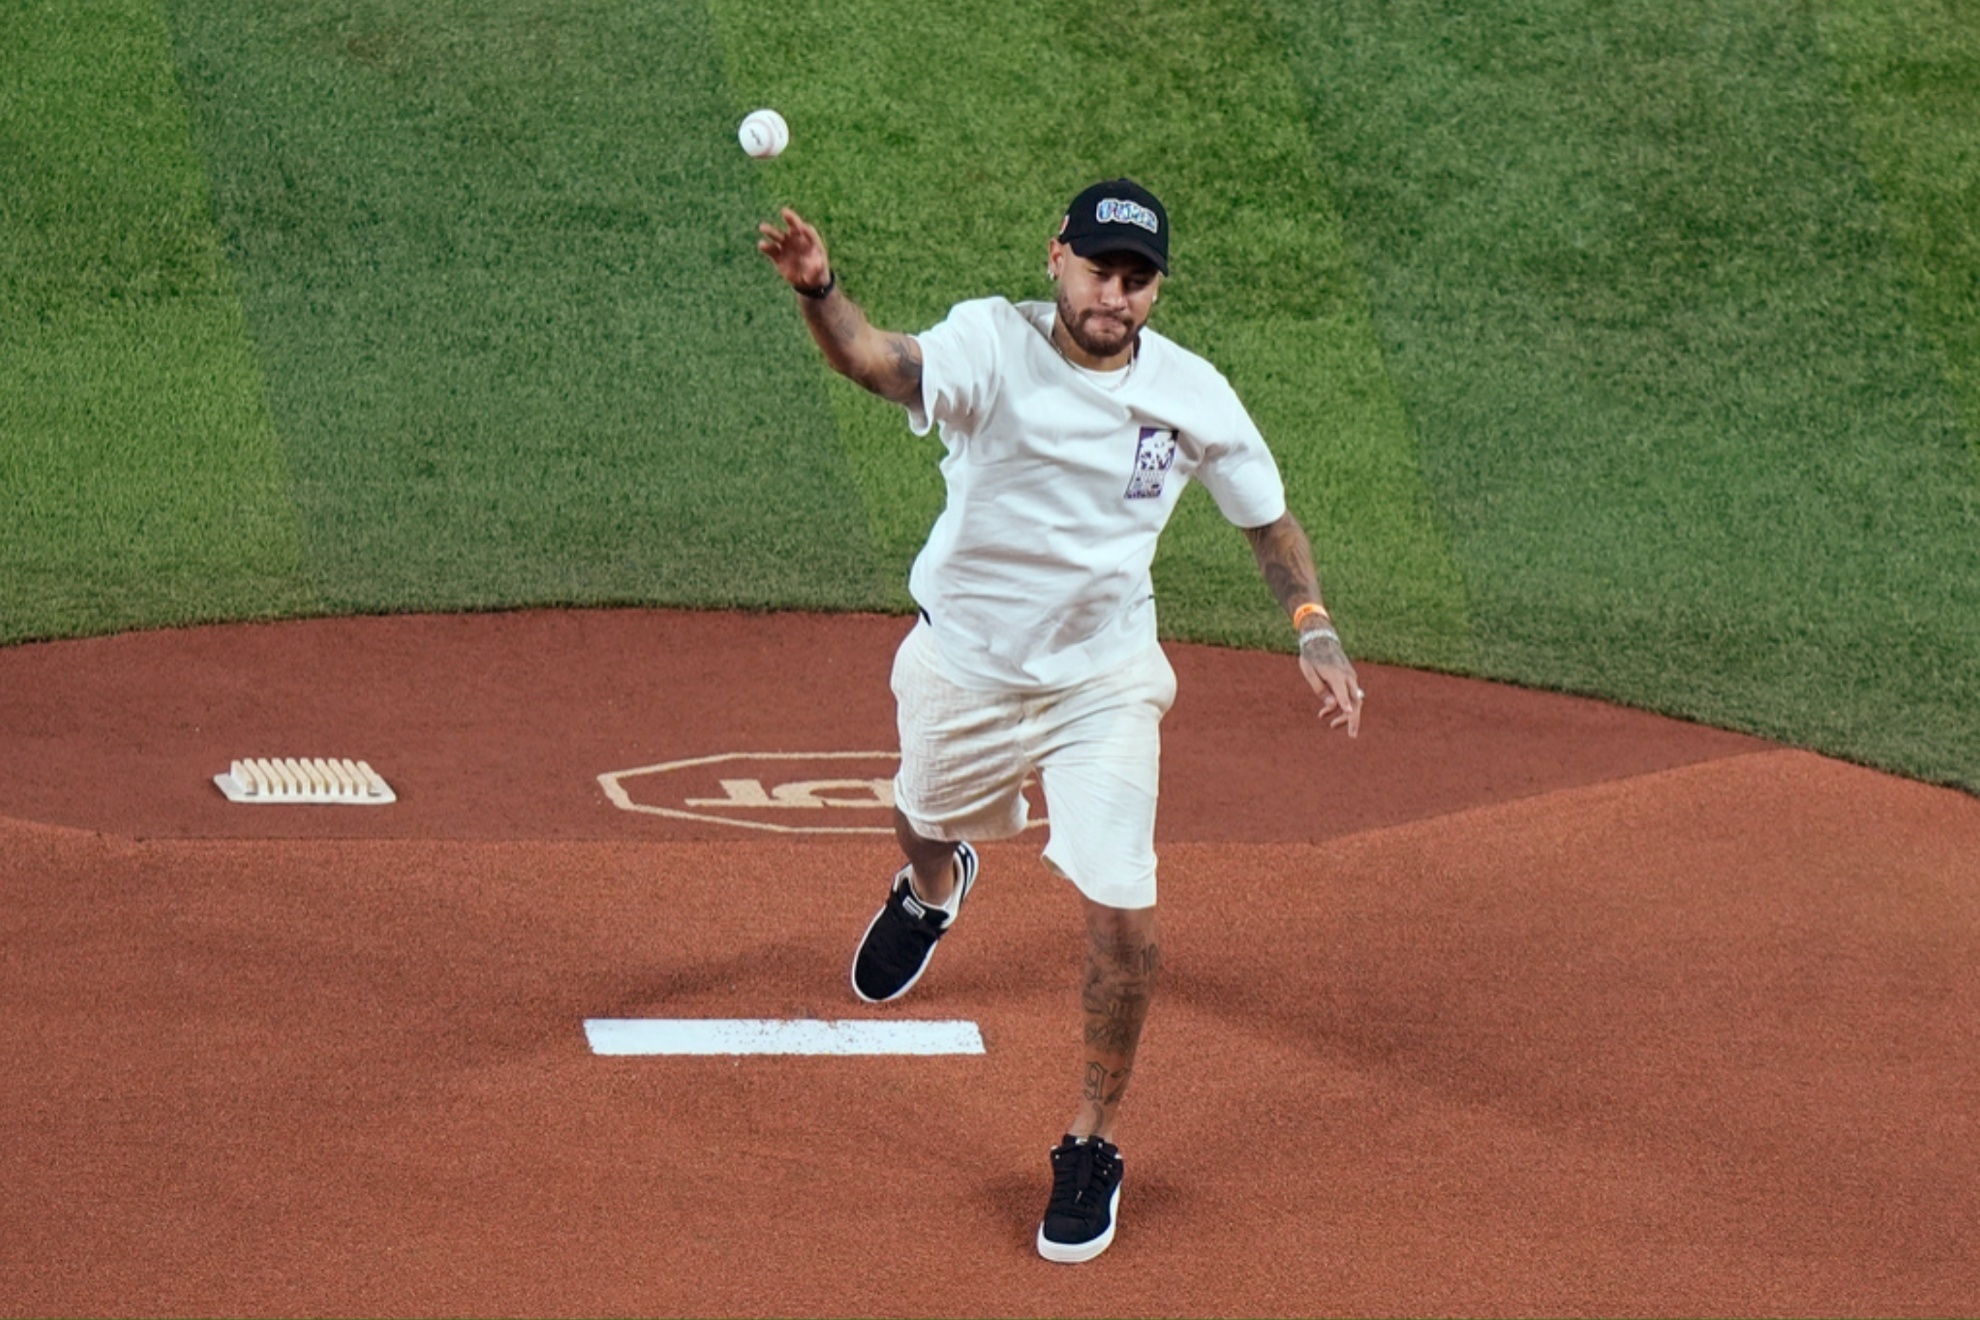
pixel 887 364
pixel 1286 559
pixel 835 320
pixel 904 383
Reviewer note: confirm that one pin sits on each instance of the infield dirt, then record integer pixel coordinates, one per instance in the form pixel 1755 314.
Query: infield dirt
pixel 1517 1004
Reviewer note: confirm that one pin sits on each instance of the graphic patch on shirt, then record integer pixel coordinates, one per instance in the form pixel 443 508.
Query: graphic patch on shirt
pixel 1154 455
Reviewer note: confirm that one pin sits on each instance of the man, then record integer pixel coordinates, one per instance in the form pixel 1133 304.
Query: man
pixel 1070 431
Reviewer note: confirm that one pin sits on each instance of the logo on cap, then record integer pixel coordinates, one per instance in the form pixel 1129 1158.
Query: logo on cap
pixel 1117 215
pixel 1112 210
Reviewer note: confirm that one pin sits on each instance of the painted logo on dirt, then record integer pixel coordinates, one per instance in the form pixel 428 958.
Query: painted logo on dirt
pixel 782 792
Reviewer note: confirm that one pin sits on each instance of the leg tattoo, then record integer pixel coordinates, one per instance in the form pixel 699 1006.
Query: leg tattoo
pixel 1123 960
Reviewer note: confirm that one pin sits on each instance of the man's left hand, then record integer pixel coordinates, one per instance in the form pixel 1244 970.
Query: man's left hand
pixel 1331 673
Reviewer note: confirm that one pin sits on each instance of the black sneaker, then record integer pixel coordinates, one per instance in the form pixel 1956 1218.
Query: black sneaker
pixel 1086 1193
pixel 900 939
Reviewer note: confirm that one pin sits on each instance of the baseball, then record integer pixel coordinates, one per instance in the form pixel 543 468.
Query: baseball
pixel 764 133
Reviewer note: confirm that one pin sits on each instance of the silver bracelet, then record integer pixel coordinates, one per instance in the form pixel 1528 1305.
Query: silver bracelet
pixel 1322 631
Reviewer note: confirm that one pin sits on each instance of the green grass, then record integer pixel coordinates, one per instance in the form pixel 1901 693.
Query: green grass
pixel 1628 348
pixel 494 258
pixel 1912 71
pixel 1652 329
pixel 140 479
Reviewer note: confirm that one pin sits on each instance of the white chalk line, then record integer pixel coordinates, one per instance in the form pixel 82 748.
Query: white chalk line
pixel 704 1036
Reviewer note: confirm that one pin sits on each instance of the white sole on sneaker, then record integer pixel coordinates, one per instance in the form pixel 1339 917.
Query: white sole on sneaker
pixel 1073 1253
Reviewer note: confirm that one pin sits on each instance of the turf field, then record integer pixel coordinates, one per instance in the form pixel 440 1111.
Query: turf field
pixel 1625 348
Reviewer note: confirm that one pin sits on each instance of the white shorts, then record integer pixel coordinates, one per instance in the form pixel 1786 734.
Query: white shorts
pixel 965 754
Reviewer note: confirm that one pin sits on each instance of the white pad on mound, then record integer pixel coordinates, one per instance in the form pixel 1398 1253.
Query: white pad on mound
pixel 287 779
pixel 779 1036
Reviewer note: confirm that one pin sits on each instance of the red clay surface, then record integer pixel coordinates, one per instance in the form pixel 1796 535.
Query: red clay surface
pixel 1519 1004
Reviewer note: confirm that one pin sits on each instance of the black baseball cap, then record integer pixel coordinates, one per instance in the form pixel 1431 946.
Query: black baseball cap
pixel 1117 215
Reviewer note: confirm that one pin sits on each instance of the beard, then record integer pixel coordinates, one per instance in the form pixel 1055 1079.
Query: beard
pixel 1101 336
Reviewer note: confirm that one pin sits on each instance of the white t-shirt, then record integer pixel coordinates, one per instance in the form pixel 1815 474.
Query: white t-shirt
pixel 1035 575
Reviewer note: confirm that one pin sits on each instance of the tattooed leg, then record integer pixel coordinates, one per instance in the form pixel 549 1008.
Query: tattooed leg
pixel 1123 959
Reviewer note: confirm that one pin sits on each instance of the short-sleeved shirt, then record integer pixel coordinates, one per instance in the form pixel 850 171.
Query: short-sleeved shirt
pixel 1036 574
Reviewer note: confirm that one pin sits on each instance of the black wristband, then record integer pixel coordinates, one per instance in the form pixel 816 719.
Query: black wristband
pixel 817 291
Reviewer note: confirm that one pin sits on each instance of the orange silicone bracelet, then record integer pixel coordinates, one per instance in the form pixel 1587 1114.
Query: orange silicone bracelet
pixel 1307 611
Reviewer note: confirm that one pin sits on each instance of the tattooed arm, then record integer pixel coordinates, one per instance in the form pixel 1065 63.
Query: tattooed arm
pixel 886 363
pixel 1285 557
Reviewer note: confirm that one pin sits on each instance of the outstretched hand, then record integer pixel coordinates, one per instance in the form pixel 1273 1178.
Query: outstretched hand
pixel 798 252
pixel 1332 677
